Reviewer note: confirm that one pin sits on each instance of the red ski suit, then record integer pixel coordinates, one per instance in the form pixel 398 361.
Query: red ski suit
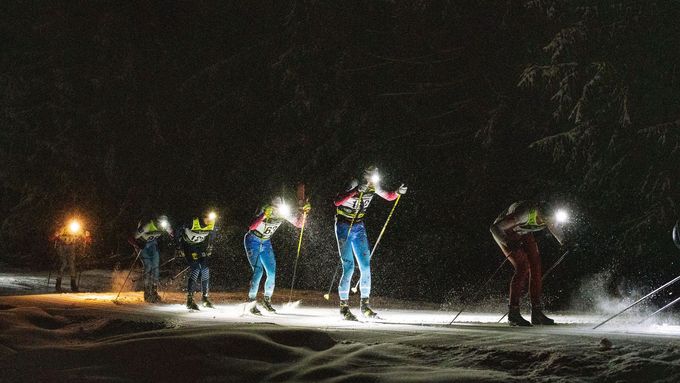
pixel 513 231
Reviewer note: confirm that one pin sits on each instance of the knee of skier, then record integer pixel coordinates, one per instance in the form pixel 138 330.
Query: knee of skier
pixel 271 274
pixel 347 273
pixel 522 268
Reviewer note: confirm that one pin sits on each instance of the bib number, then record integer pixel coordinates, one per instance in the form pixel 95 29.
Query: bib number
pixel 268 230
pixel 367 201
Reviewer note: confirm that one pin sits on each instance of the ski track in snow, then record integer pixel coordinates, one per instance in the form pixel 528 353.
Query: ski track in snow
pixel 83 337
pixel 86 337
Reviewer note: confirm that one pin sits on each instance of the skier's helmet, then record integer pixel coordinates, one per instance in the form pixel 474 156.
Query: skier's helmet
pixel 371 173
pixel 208 217
pixel 544 209
pixel 676 234
pixel 277 201
pixel 163 221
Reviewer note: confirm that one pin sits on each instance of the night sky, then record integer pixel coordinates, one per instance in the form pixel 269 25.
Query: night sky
pixel 111 109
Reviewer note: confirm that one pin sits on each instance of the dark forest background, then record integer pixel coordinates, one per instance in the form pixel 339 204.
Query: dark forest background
pixel 110 109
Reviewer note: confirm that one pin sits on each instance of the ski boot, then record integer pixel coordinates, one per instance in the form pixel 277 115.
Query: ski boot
pixel 253 309
pixel 57 285
pixel 538 318
pixel 515 318
pixel 191 305
pixel 366 309
pixel 153 294
pixel 206 302
pixel 344 310
pixel 147 294
pixel 267 304
pixel 74 286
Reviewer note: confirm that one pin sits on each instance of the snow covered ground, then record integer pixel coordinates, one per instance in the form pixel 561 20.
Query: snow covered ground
pixel 86 336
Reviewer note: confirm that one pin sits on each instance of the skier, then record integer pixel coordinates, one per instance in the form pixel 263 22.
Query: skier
pixel 351 208
pixel 259 251
pixel 146 241
pixel 513 231
pixel 68 241
pixel 194 240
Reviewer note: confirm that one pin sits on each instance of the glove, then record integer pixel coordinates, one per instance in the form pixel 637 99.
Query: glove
pixel 362 188
pixel 306 208
pixel 179 253
pixel 402 189
pixel 208 250
pixel 268 211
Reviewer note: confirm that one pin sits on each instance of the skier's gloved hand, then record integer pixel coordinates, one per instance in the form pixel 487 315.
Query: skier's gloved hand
pixel 362 188
pixel 306 208
pixel 208 250
pixel 402 189
pixel 268 211
pixel 179 253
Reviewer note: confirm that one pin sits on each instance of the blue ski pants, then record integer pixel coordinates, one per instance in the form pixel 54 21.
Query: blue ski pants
pixel 262 259
pixel 350 246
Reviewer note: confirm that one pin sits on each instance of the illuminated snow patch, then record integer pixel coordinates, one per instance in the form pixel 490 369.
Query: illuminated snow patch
pixel 95 297
pixel 290 306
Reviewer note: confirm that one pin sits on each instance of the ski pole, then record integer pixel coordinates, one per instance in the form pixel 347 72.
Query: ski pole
pixel 559 260
pixel 49 275
pixel 166 262
pixel 54 266
pixel 302 230
pixel 660 310
pixel 128 275
pixel 327 296
pixel 480 290
pixel 163 264
pixel 180 273
pixel 375 245
pixel 639 300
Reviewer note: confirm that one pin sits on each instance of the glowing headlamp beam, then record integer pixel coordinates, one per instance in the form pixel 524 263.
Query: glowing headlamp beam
pixel 212 216
pixel 561 216
pixel 164 223
pixel 375 178
pixel 284 209
pixel 74 226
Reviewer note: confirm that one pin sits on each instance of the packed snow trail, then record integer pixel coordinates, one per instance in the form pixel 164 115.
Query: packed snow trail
pixel 86 337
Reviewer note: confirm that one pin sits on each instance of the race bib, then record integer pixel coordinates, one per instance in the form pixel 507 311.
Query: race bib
pixel 195 237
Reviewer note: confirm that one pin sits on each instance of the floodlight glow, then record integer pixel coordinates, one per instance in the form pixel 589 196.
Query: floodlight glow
pixel 375 178
pixel 284 210
pixel 74 226
pixel 561 216
pixel 212 216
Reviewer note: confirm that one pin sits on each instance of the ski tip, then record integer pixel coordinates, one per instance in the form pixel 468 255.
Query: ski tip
pixel 354 290
pixel 326 297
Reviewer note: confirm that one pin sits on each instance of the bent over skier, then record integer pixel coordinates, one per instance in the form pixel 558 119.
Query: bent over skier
pixel 350 233
pixel 145 242
pixel 514 230
pixel 195 241
pixel 259 251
